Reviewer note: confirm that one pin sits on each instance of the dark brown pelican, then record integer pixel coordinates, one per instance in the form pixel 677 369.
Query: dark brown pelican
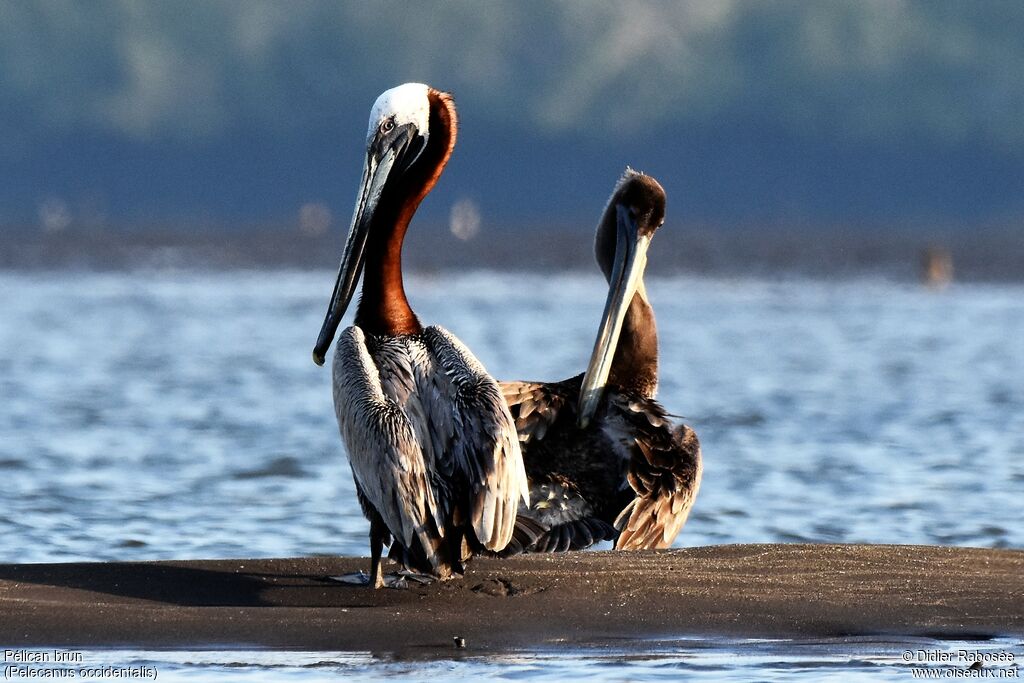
pixel 603 459
pixel 433 449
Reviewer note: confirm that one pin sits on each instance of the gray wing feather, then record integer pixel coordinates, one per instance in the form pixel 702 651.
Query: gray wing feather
pixel 383 447
pixel 484 444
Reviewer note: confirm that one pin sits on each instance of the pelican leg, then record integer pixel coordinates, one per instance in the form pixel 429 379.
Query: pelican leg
pixel 460 551
pixel 376 579
pixel 376 548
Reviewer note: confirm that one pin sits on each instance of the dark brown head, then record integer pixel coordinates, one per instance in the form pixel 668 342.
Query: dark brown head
pixel 645 198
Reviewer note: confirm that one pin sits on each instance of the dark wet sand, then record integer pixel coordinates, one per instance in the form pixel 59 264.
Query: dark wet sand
pixel 737 590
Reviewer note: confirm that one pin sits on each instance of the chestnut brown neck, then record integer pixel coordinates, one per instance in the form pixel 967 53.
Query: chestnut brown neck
pixel 383 306
pixel 635 364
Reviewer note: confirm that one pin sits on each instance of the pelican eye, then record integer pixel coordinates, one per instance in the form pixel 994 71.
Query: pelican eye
pixel 387 125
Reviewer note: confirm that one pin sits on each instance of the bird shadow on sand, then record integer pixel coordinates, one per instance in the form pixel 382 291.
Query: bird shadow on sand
pixel 182 586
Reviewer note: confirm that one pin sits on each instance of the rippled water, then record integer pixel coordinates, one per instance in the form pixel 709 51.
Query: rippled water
pixel 177 414
pixel 841 659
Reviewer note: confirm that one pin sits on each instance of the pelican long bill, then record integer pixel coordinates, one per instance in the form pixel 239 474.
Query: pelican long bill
pixel 387 152
pixel 630 261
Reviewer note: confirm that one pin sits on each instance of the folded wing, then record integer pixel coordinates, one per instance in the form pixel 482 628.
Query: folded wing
pixel 482 452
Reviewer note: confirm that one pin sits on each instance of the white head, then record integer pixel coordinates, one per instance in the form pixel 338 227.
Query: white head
pixel 403 104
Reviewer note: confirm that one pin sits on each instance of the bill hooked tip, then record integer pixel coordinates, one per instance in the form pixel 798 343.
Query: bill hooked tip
pixel 318 357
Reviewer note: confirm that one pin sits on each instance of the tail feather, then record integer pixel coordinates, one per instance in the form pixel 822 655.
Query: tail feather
pixel 525 535
pixel 575 535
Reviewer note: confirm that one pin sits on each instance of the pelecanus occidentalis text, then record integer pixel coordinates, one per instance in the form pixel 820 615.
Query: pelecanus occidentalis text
pixel 603 459
pixel 433 449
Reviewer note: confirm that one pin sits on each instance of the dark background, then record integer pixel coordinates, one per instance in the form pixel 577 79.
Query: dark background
pixel 773 125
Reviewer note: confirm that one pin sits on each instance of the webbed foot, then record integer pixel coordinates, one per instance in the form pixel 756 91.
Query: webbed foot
pixel 422 579
pixel 359 578
pixel 399 580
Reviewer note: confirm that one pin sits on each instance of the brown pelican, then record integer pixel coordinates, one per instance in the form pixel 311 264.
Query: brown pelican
pixel 603 459
pixel 433 449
